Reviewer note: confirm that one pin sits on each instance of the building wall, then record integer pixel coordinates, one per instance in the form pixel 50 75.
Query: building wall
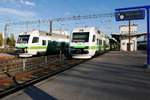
pixel 142 42
pixel 125 41
pixel 124 29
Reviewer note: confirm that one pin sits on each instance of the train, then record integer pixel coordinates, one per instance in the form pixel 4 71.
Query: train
pixel 38 42
pixel 87 42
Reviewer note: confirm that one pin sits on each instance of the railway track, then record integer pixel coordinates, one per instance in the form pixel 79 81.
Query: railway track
pixel 13 77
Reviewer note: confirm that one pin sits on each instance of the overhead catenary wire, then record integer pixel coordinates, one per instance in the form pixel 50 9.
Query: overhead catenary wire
pixel 79 17
pixel 51 20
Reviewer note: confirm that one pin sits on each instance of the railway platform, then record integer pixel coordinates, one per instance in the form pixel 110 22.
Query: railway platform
pixel 115 75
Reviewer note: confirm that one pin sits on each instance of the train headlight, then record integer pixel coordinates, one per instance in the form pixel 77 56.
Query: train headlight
pixel 25 50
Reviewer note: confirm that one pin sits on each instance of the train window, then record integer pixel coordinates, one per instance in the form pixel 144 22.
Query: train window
pixel 80 37
pixel 100 42
pixel 97 42
pixel 104 42
pixel 49 42
pixel 23 38
pixel 43 42
pixel 35 40
pixel 93 38
pixel 99 32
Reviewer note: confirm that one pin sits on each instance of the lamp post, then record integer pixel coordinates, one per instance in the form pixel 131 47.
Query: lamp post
pixel 5 35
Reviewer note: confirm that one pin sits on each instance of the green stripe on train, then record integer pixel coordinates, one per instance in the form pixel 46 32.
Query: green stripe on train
pixel 38 47
pixel 96 47
pixel 21 46
pixel 79 46
pixel 89 47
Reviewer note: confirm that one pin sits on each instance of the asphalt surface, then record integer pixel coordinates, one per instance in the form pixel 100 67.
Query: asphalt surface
pixel 113 76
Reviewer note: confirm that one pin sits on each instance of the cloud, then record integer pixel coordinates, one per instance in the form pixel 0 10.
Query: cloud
pixel 16 12
pixel 27 2
pixel 67 13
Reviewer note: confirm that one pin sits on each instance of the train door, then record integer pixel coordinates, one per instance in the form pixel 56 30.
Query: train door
pixel 100 44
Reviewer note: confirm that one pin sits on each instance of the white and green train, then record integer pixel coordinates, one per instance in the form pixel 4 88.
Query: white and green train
pixel 39 42
pixel 87 42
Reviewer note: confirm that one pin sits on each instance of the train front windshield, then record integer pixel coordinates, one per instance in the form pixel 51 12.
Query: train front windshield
pixel 23 39
pixel 80 37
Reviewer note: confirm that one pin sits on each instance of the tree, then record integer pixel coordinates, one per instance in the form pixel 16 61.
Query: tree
pixel 10 41
pixel 13 41
pixel 1 39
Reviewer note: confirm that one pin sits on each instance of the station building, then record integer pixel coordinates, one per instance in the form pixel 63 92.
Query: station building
pixel 130 42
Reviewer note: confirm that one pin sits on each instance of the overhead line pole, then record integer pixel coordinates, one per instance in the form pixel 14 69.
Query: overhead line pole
pixel 129 35
pixel 50 26
pixel 5 35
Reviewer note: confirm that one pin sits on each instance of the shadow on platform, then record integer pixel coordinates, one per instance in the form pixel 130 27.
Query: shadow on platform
pixel 38 94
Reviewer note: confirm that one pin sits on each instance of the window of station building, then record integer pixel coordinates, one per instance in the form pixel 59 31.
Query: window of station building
pixel 123 43
pixel 93 38
pixel 35 40
pixel 43 42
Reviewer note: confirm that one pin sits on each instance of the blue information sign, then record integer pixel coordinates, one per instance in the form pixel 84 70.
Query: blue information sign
pixel 139 15
pixel 130 15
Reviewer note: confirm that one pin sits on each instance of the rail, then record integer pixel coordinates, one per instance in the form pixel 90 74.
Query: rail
pixel 16 74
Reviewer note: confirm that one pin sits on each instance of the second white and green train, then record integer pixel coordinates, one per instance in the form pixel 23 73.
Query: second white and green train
pixel 87 42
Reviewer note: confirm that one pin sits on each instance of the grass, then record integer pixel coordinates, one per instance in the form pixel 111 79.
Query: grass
pixel 7 50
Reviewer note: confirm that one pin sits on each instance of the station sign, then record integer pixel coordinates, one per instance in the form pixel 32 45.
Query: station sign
pixel 130 15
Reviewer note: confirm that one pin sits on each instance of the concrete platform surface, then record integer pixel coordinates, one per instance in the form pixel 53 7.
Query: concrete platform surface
pixel 113 76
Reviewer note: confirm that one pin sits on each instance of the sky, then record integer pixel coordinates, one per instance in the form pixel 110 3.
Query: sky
pixel 23 10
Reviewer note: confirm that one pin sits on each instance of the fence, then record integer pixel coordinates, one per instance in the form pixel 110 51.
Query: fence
pixel 26 64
